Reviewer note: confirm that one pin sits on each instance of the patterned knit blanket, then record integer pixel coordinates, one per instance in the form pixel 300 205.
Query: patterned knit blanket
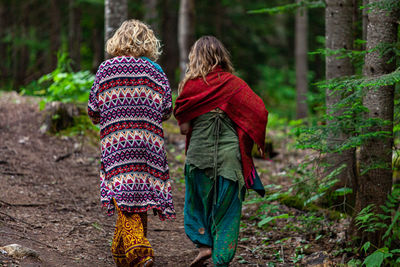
pixel 129 98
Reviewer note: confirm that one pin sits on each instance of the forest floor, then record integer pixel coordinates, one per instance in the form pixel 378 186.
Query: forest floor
pixel 49 202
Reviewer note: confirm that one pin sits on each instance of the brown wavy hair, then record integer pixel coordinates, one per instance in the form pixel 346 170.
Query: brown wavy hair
pixel 206 53
pixel 134 38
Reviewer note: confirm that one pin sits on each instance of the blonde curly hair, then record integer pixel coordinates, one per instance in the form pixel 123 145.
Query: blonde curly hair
pixel 206 53
pixel 134 38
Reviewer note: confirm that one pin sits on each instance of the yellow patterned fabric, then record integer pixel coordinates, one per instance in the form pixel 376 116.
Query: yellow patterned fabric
pixel 130 247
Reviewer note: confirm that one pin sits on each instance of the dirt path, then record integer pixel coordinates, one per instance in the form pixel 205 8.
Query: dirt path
pixel 49 202
pixel 50 196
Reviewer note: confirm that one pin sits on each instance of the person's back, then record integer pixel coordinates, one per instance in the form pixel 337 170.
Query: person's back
pixel 222 118
pixel 131 101
pixel 130 98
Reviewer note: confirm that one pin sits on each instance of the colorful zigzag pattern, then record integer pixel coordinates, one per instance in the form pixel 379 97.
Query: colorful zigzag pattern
pixel 130 97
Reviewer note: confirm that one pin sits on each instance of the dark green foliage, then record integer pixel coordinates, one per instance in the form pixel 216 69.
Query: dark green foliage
pixel 384 4
pixel 389 222
pixel 67 86
pixel 62 84
pixel 289 7
pixel 277 88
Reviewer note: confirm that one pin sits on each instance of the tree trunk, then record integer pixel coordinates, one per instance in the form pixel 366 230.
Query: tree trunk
pixel 23 53
pixel 301 61
pixel 339 35
pixel 185 32
pixel 376 183
pixel 151 14
pixel 97 49
pixel 218 18
pixel 170 56
pixel 3 47
pixel 74 34
pixel 115 12
pixel 364 20
pixel 55 31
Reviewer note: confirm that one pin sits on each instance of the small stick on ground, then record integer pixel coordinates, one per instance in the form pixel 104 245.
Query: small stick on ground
pixel 23 204
pixel 30 239
pixel 17 220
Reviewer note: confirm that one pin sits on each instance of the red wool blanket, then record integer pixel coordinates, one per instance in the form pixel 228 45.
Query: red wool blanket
pixel 232 95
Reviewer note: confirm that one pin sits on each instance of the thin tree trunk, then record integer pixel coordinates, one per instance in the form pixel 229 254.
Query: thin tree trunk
pixel 170 56
pixel 301 49
pixel 218 17
pixel 3 46
pixel 115 12
pixel 74 34
pixel 23 55
pixel 339 35
pixel 364 20
pixel 97 49
pixel 185 32
pixel 54 34
pixel 375 184
pixel 151 14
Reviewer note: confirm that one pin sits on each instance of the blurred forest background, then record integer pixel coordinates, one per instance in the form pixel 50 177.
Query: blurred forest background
pixel 262 46
pixel 328 72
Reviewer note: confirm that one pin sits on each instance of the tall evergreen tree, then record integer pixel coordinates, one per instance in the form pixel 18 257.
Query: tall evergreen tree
pixel 151 14
pixel 375 183
pixel 301 49
pixel 115 12
pixel 169 32
pixel 74 33
pixel 185 32
pixel 339 35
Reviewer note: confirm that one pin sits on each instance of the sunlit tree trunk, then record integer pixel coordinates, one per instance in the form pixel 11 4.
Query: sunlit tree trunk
pixel 375 183
pixel 115 12
pixel 301 49
pixel 185 32
pixel 339 35
pixel 74 34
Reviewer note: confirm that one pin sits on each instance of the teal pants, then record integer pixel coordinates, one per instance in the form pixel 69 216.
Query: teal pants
pixel 212 214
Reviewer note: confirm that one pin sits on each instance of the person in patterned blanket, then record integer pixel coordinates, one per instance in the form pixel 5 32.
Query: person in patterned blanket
pixel 129 99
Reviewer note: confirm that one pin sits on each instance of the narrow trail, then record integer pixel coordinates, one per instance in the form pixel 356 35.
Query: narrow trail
pixel 50 202
pixel 50 197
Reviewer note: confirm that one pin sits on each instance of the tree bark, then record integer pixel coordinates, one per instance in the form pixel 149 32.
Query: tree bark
pixel 22 56
pixel 339 35
pixel 115 12
pixel 218 18
pixel 364 20
pixel 97 49
pixel 151 14
pixel 301 49
pixel 375 184
pixel 169 32
pixel 3 47
pixel 74 34
pixel 185 32
pixel 54 34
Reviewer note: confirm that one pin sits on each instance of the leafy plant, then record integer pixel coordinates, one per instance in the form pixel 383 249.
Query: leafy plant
pixel 62 84
pixel 367 220
pixel 65 85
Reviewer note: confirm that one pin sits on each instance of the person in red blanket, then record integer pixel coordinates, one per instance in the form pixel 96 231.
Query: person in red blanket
pixel 222 118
